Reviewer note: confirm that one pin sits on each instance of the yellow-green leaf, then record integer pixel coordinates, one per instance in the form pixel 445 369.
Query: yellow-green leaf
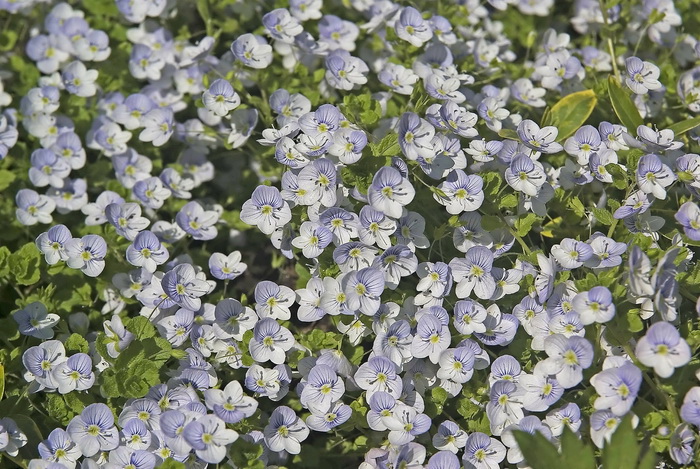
pixel 623 106
pixel 571 112
pixel 509 134
pixel 679 128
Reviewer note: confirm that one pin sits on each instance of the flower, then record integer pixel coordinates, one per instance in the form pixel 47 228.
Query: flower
pixel 464 193
pixel 11 437
pixel 87 254
pixel 690 410
pixel 74 374
pixel 226 267
pixel 126 219
pixel 59 448
pixel 412 27
pixel 93 430
pixel 642 76
pixel 653 177
pixel 285 431
pixel 483 452
pixel 595 305
pixel 617 388
pixel 663 349
pixel 159 125
pixel 525 175
pixel 363 290
pixel 209 436
pixel 323 387
pixel 78 80
pixel 266 209
pixel 33 208
pixel 273 301
pixel 378 374
pixel 182 286
pixel 415 136
pixel 270 341
pixel 197 222
pixel 688 216
pixel 473 273
pixel 390 192
pixel 146 251
pixel 35 321
pixel 568 357
pixel 542 140
pixel 220 98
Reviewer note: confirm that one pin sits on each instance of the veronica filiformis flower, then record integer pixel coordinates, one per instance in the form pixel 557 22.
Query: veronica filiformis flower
pixel 270 342
pixel 285 431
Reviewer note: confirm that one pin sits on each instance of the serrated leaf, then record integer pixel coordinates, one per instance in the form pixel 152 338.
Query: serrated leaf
pixel 571 112
pixel 539 452
pixel 624 107
pixel 492 183
pixel 508 201
pixel 141 327
pixel 577 206
pixel 523 225
pixel 679 128
pixel 387 146
pixel 77 343
pixel 603 216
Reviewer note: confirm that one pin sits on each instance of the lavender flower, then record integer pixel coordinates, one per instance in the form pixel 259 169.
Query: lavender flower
pixel 270 341
pixel 209 437
pixel 266 209
pixel 285 431
pixel 617 388
pixel 87 254
pixel 663 349
pixel 183 287
pixel 93 430
pixel 568 357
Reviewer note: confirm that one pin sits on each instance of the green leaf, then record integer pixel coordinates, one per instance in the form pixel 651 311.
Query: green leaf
pixel 77 343
pixel 388 146
pixel 576 205
pixel 141 327
pixel 634 320
pixel 508 201
pixel 170 463
pixel 205 14
pixel 679 128
pixel 6 178
pixel 622 452
pixel 438 395
pixel 576 454
pixel 8 39
pixel 539 452
pixel 492 183
pixel 571 112
pixel 603 216
pixel 619 175
pixel 523 225
pixel 509 134
pixel 648 461
pixel 623 106
pixel 2 381
pixel 24 264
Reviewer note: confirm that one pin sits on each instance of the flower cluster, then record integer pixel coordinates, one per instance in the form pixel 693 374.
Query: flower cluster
pixel 400 235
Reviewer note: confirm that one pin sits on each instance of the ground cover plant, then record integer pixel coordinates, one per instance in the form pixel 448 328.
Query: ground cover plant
pixel 356 233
